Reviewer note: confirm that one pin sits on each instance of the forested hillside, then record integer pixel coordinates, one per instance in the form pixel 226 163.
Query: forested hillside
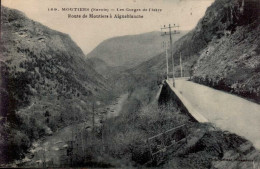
pixel 45 83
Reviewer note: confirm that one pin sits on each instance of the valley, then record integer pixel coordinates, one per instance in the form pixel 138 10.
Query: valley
pixel 114 107
pixel 51 151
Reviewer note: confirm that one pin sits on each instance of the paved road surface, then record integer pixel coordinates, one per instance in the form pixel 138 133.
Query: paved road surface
pixel 226 111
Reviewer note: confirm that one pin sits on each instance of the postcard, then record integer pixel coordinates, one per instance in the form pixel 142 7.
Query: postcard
pixel 130 84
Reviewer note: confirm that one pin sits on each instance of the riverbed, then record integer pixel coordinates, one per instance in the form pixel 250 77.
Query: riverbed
pixel 49 151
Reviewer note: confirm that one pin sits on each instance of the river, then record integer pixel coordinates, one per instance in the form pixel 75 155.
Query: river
pixel 51 149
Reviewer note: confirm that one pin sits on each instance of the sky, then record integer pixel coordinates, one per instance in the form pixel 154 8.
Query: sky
pixel 89 32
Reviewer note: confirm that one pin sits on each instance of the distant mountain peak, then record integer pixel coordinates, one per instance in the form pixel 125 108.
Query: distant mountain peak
pixel 130 50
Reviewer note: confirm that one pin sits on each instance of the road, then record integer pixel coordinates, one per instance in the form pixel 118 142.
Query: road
pixel 226 111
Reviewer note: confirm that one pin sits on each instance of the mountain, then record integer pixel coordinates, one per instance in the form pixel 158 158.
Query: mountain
pixel 103 68
pixel 129 51
pixel 45 83
pixel 232 62
pixel 222 51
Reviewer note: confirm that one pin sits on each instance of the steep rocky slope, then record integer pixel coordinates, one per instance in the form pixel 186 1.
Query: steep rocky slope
pixel 222 51
pixel 45 83
pixel 232 62
pixel 129 51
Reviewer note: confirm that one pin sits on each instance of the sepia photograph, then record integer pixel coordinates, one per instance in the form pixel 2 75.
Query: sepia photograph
pixel 167 84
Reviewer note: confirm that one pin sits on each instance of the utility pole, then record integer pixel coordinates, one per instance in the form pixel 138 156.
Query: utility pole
pixel 242 7
pixel 93 119
pixel 170 32
pixel 181 65
pixel 70 149
pixel 70 152
pixel 44 157
pixel 82 142
pixel 166 55
pixel 103 132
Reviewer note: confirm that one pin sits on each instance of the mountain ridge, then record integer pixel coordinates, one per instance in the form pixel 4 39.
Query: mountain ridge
pixel 130 50
pixel 46 83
